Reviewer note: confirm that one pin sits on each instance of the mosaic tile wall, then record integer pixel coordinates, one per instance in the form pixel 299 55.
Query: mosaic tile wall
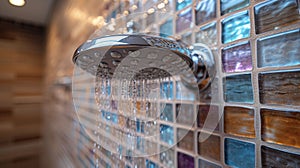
pixel 257 49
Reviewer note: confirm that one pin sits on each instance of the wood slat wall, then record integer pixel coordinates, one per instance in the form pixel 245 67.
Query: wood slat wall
pixel 21 85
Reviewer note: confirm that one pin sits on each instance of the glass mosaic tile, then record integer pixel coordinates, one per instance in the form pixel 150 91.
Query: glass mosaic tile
pixel 167 157
pixel 166 90
pixel 202 115
pixel 281 127
pixel 207 34
pixel 151 147
pixel 187 38
pixel 149 3
pixel 275 158
pixel 152 109
pixel 230 6
pixel 185 161
pixel 184 93
pixel 237 58
pixel 276 14
pixel 239 121
pixel 211 94
pixel 239 154
pixel 185 114
pixel 150 19
pixel 279 50
pixel 205 10
pixel 236 27
pixel 184 20
pixel 150 164
pixel 138 162
pixel 210 148
pixel 185 139
pixel 280 88
pixel 167 134
pixel 166 29
pixel 206 164
pixel 180 4
pixel 238 88
pixel 166 112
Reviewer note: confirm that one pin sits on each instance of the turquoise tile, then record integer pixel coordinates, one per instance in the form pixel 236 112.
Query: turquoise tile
pixel 232 5
pixel 239 154
pixel 150 164
pixel 166 29
pixel 180 4
pixel 166 90
pixel 167 134
pixel 238 88
pixel 236 27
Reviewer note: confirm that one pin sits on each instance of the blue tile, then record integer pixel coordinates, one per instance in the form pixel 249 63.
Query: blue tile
pixel 180 4
pixel 166 29
pixel 230 5
pixel 166 112
pixel 236 27
pixel 238 88
pixel 150 164
pixel 279 50
pixel 167 134
pixel 239 154
pixel 205 11
pixel 166 90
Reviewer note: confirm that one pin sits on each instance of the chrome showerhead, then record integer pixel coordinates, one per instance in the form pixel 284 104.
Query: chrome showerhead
pixel 143 56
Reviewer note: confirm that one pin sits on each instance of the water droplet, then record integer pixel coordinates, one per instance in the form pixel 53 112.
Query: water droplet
pixel 103 64
pixel 115 54
pixel 116 62
pixel 134 53
pixel 152 56
pixel 134 62
pixel 97 54
pixel 166 59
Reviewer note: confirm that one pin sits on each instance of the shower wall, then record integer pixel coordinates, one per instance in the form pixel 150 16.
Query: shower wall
pixel 257 51
pixel 22 49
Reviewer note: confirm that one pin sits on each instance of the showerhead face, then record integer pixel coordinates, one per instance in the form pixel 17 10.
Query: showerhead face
pixel 148 57
pixel 140 57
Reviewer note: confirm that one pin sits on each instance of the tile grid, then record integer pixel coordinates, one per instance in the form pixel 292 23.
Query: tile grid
pixel 254 74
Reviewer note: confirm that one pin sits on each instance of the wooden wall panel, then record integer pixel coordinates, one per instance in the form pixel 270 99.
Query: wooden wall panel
pixel 21 94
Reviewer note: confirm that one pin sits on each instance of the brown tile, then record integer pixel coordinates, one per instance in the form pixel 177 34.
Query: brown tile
pixel 210 148
pixel 280 88
pixel 275 158
pixel 185 139
pixel 239 121
pixel 203 112
pixel 281 127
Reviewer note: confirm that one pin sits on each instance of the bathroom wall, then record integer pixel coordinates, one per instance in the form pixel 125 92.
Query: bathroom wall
pixel 22 55
pixel 256 47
